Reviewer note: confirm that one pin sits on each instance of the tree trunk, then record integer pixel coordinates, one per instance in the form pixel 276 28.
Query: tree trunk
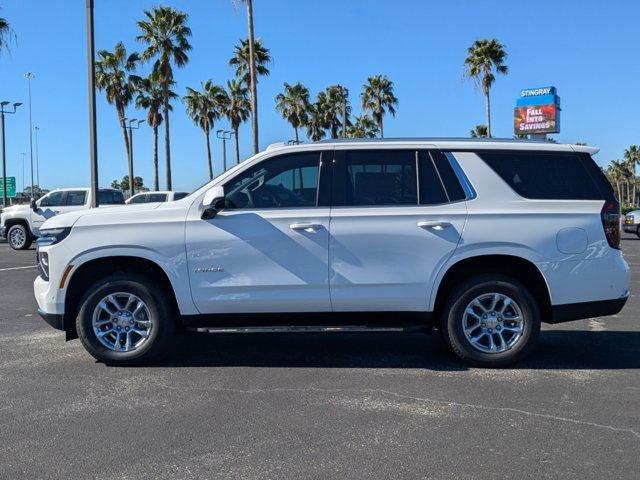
pixel 488 107
pixel 381 127
pixel 167 142
pixel 235 133
pixel 156 180
pixel 252 77
pixel 206 134
pixel 296 130
pixel 124 132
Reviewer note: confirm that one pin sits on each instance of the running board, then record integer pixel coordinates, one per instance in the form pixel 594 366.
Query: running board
pixel 301 329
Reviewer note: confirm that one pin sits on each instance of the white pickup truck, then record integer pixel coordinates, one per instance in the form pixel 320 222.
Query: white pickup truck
pixel 20 224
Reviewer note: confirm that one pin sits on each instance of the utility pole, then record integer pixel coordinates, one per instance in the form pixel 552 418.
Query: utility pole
pixel 29 76
pixel 131 128
pixel 224 135
pixel 91 65
pixel 3 104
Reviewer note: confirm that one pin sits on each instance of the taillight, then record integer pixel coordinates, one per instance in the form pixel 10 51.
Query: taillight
pixel 610 215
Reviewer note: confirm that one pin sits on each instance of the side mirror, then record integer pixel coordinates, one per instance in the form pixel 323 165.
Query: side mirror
pixel 213 202
pixel 34 207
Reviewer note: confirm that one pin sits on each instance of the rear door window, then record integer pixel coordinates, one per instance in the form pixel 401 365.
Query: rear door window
pixel 110 197
pixel 376 177
pixel 76 197
pixel 544 175
pixel 156 197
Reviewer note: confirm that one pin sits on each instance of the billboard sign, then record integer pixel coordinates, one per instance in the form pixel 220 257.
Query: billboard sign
pixel 11 187
pixel 536 119
pixel 537 111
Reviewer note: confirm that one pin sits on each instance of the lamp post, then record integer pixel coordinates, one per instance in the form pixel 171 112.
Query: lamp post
pixel 91 77
pixel 36 129
pixel 23 157
pixel 224 135
pixel 29 76
pixel 3 104
pixel 131 128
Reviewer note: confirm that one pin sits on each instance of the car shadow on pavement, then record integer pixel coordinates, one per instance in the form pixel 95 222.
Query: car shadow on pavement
pixel 556 349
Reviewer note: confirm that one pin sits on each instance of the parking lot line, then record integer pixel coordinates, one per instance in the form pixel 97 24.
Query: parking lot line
pixel 17 268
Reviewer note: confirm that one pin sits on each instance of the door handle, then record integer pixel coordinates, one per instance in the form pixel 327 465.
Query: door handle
pixel 434 225
pixel 56 212
pixel 307 227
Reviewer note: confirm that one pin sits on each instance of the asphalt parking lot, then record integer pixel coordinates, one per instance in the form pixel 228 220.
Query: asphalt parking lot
pixel 350 406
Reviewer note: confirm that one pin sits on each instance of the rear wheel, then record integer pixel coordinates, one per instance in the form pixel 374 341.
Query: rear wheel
pixel 491 321
pixel 19 237
pixel 125 319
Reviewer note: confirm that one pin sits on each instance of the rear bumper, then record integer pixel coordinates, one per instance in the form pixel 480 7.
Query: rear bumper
pixel 53 319
pixel 579 311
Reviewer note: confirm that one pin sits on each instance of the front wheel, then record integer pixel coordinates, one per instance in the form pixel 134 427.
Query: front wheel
pixel 19 237
pixel 638 231
pixel 125 319
pixel 491 321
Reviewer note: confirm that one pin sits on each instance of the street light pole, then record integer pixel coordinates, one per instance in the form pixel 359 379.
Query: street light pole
pixel 29 76
pixel 93 148
pixel 131 128
pixel 3 104
pixel 35 129
pixel 224 135
pixel 23 157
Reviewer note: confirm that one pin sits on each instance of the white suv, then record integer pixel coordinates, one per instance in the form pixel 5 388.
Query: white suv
pixel 20 224
pixel 482 239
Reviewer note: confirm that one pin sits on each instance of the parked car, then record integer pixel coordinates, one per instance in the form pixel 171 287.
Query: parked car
pixel 151 197
pixel 632 222
pixel 20 224
pixel 482 239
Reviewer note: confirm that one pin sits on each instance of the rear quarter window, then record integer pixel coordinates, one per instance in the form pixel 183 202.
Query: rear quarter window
pixel 548 175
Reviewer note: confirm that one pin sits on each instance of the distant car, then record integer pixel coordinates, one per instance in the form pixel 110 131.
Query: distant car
pixel 152 197
pixel 632 222
pixel 20 224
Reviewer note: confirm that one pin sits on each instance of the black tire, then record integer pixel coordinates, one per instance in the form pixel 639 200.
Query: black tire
pixel 451 322
pixel 638 231
pixel 160 310
pixel 19 230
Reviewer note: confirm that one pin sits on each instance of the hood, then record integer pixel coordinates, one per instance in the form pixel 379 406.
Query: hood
pixel 65 220
pixel 16 208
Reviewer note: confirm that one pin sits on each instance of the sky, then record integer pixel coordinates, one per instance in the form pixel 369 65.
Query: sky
pixel 588 49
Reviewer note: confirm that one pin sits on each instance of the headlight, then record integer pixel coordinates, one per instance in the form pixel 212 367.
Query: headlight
pixel 51 236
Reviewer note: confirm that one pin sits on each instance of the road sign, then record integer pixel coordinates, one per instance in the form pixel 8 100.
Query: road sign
pixel 11 187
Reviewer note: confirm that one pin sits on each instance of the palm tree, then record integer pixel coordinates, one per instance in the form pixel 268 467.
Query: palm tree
pixel 205 108
pixel 485 56
pixel 113 75
pixel 150 98
pixel 237 109
pixel 336 105
pixel 317 119
pixel 249 71
pixel 619 172
pixel 378 98
pixel 166 34
pixel 6 34
pixel 632 158
pixel 293 104
pixel 363 127
pixel 479 131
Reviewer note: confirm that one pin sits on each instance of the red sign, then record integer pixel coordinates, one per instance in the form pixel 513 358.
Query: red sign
pixel 536 119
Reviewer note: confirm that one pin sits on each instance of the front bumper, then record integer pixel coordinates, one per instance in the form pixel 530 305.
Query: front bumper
pixel 53 319
pixel 3 232
pixel 630 228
